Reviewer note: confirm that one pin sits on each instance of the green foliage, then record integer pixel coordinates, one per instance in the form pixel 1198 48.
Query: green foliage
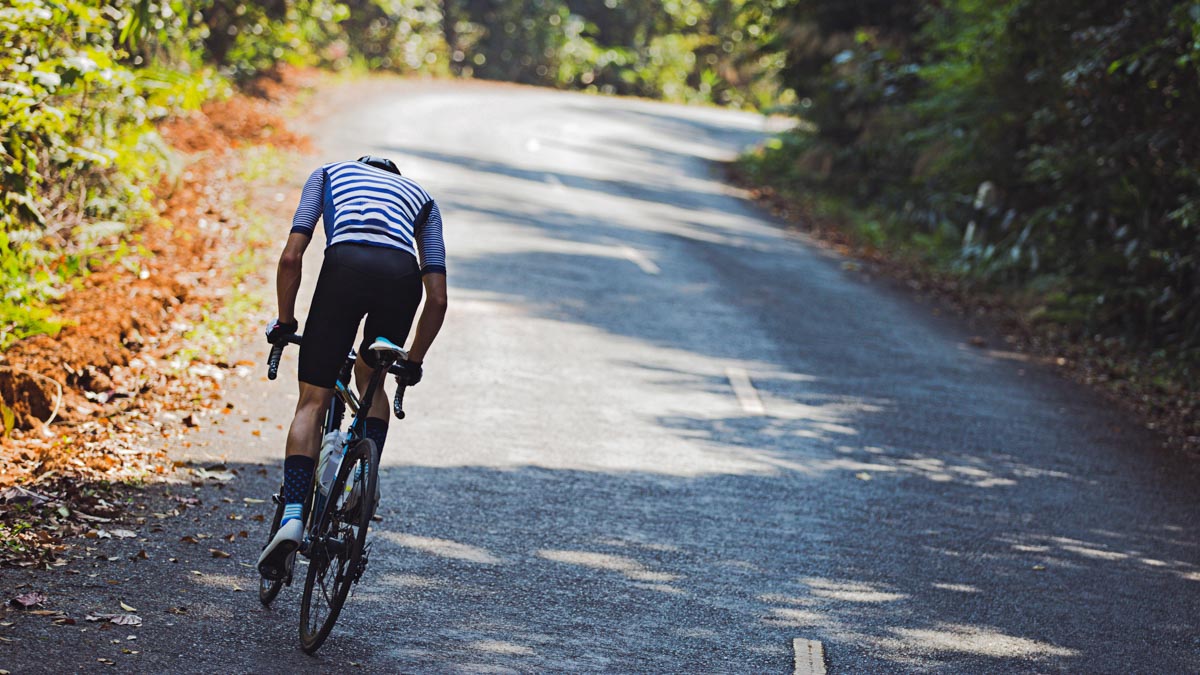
pixel 1038 139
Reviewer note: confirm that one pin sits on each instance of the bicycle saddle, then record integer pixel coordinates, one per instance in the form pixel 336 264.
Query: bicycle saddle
pixel 387 346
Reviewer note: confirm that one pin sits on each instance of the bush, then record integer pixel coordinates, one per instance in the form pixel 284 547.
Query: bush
pixel 1052 140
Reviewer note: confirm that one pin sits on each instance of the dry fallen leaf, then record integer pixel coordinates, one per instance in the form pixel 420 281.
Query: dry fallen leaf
pixel 862 475
pixel 127 608
pixel 28 600
pixel 218 553
pixel 189 539
pixel 118 619
pixel 123 534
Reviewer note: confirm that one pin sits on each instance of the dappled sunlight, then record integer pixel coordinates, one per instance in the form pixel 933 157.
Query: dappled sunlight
pixel 228 582
pixel 409 581
pixel 1074 552
pixel 500 647
pixel 444 548
pixel 850 591
pixel 628 567
pixel 657 409
pixel 956 588
pixel 968 639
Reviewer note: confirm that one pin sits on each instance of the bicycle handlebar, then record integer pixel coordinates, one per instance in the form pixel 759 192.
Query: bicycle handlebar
pixel 277 353
pixel 398 402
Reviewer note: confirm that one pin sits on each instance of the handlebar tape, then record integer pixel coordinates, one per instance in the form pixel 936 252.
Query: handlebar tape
pixel 398 403
pixel 273 361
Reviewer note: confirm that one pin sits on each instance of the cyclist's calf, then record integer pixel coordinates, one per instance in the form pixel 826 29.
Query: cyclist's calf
pixel 304 434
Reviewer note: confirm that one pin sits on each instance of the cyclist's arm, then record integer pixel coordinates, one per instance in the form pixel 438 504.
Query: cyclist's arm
pixel 287 277
pixel 432 251
pixel 432 316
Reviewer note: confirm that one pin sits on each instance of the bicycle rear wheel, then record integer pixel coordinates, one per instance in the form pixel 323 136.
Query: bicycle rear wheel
pixel 337 546
pixel 269 588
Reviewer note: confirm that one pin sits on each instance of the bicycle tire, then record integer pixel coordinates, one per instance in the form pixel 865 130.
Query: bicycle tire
pixel 345 557
pixel 268 588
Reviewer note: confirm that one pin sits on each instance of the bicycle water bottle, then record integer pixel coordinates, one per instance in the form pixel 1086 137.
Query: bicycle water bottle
pixel 333 447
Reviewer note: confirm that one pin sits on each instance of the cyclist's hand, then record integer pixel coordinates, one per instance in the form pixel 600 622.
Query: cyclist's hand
pixel 411 373
pixel 278 332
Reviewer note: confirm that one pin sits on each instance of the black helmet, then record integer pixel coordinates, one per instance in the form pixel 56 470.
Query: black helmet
pixel 380 163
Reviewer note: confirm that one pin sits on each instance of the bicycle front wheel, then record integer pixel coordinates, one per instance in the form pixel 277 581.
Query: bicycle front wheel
pixel 337 547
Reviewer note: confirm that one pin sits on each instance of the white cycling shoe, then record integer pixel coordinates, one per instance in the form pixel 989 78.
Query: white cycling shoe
pixel 273 563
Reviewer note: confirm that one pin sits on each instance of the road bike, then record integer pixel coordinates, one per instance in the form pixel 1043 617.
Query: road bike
pixel 336 520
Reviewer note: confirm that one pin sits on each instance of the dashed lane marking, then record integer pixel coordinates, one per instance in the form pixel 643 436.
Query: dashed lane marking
pixel 638 258
pixel 810 657
pixel 739 379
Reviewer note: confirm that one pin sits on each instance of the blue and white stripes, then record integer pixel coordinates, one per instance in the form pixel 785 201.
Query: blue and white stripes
pixel 362 204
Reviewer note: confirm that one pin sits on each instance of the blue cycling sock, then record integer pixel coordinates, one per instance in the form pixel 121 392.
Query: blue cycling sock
pixel 297 481
pixel 376 430
pixel 292 512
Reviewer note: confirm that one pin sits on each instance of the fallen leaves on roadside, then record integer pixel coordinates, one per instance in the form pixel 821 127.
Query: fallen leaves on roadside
pixel 124 534
pixel 218 553
pixel 140 555
pixel 27 600
pixel 221 476
pixel 862 475
pixel 127 608
pixel 116 619
pixel 189 539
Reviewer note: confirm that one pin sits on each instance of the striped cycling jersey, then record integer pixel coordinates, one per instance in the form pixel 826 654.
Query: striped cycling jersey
pixel 364 205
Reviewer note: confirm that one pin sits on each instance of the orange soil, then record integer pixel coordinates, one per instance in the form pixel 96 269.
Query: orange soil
pixel 126 320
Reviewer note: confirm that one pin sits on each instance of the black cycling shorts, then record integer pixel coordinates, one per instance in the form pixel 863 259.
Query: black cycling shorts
pixel 383 284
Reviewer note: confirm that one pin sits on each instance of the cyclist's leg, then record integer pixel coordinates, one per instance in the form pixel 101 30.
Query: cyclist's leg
pixel 391 316
pixel 329 333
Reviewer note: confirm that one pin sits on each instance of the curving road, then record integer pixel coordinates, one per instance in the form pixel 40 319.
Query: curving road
pixel 661 434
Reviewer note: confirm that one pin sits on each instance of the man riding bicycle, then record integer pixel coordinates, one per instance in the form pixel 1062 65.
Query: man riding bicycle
pixel 383 243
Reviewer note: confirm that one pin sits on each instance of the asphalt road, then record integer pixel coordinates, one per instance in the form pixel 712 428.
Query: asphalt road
pixel 661 434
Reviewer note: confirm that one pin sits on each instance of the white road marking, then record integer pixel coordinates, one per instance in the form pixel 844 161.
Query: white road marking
pixel 739 379
pixel 638 258
pixel 810 657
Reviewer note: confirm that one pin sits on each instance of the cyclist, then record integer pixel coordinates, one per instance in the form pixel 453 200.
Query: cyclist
pixel 383 243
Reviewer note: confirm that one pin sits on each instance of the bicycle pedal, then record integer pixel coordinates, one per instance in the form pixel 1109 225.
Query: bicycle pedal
pixel 360 568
